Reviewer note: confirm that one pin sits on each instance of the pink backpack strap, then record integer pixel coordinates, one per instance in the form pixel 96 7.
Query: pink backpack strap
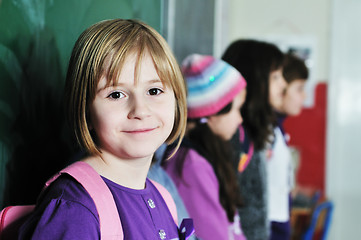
pixel 11 219
pixel 110 225
pixel 168 200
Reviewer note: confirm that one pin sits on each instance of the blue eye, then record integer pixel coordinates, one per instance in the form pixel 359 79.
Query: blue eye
pixel 155 91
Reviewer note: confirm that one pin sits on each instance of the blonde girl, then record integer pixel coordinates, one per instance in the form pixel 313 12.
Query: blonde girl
pixel 125 96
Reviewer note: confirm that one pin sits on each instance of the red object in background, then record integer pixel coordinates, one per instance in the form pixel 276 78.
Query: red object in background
pixel 308 135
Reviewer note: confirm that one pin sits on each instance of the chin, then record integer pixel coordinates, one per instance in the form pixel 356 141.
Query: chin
pixel 137 155
pixel 141 152
pixel 295 113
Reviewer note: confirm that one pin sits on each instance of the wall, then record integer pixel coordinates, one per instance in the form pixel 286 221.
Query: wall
pixel 344 120
pixel 285 18
pixel 189 29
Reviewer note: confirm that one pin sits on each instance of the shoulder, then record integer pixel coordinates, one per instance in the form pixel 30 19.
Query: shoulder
pixel 192 160
pixel 65 192
pixel 64 203
pixel 193 157
pixel 198 168
pixel 196 161
pixel 195 169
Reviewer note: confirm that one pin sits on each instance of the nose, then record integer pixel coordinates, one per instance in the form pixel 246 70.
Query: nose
pixel 138 108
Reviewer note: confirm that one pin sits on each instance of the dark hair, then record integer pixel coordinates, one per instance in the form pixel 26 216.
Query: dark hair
pixel 256 60
pixel 220 154
pixel 294 68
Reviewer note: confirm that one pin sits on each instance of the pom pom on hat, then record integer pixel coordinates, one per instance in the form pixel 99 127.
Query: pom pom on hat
pixel 212 84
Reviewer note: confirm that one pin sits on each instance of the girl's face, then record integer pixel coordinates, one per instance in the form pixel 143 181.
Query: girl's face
pixel 133 118
pixel 277 85
pixel 294 97
pixel 225 125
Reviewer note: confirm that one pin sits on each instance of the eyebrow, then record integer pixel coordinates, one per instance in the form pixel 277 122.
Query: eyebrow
pixel 155 81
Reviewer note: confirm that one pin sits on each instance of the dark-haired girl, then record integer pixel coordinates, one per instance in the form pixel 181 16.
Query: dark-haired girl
pixel 261 65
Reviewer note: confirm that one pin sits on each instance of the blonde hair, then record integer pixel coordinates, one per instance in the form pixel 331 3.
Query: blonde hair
pixel 101 50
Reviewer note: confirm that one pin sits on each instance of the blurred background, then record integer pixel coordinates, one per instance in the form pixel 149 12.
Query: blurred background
pixel 36 38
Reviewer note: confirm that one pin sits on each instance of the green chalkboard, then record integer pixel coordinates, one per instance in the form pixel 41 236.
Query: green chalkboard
pixel 36 38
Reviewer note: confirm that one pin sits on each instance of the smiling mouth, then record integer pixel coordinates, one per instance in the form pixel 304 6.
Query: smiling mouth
pixel 138 131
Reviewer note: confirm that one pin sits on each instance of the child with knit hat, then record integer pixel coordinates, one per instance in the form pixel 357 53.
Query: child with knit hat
pixel 202 168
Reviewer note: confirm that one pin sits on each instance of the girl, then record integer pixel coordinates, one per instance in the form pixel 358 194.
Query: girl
pixel 261 65
pixel 280 169
pixel 125 97
pixel 202 168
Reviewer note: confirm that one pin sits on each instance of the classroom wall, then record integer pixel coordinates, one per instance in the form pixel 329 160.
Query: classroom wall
pixel 305 20
pixel 344 119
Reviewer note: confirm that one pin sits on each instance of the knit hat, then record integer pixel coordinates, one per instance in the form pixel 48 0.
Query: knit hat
pixel 212 84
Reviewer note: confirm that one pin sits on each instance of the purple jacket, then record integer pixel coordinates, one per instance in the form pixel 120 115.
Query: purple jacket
pixel 66 211
pixel 199 189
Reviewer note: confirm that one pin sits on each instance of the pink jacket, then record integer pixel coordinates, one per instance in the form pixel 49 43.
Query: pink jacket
pixel 199 189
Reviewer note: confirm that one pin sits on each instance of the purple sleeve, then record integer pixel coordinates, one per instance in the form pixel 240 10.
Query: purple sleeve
pixel 64 219
pixel 200 192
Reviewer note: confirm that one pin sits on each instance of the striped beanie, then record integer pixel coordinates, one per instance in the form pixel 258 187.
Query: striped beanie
pixel 212 84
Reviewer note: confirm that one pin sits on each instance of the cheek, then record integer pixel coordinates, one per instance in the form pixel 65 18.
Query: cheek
pixel 232 124
pixel 169 119
pixel 167 112
pixel 102 118
pixel 293 105
pixel 237 120
pixel 275 93
pixel 298 98
pixel 101 124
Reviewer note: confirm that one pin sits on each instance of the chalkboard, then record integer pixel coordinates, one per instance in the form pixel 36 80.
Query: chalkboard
pixel 36 38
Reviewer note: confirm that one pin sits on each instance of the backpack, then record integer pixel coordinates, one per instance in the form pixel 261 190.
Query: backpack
pixel 12 217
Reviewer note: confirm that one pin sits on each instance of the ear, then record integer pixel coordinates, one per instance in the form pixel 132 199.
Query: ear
pixel 211 121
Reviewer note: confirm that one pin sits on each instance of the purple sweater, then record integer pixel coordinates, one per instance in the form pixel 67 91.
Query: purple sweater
pixel 67 212
pixel 199 189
